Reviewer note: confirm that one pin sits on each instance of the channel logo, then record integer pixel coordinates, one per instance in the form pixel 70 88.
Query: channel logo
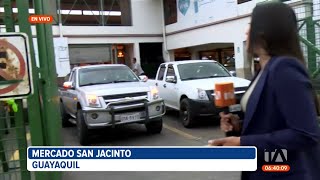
pixel 278 155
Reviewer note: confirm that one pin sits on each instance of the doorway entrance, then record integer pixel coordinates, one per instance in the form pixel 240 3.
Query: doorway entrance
pixel 151 57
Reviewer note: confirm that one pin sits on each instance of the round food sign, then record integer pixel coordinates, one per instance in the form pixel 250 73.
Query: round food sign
pixel 15 71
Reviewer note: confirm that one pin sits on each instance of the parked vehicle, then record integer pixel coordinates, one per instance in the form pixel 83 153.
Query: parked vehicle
pixel 188 86
pixel 99 96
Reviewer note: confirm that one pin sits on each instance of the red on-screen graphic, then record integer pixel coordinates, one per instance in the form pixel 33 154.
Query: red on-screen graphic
pixel 39 19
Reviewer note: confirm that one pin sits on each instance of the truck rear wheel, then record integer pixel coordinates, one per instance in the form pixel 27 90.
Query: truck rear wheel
pixel 64 116
pixel 82 129
pixel 186 115
pixel 154 127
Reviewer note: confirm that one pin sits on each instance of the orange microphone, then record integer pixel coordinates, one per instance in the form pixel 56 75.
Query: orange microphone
pixel 224 94
pixel 225 100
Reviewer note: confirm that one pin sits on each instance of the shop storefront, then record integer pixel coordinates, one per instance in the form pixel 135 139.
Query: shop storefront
pixel 224 56
pixel 182 54
pixel 81 55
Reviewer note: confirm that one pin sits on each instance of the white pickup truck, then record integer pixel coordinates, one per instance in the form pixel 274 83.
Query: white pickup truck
pixel 188 86
pixel 99 96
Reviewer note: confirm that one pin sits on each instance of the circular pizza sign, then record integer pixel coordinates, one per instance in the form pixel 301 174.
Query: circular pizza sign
pixel 14 66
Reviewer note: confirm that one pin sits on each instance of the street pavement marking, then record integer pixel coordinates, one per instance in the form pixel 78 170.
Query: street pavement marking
pixel 181 133
pixel 15 155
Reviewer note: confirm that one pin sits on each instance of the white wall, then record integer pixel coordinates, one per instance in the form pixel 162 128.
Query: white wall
pixel 227 32
pixel 61 52
pixel 210 11
pixel 111 40
pixel 181 34
pixel 146 16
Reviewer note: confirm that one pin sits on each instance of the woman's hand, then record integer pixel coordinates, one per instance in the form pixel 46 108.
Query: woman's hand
pixel 226 120
pixel 228 141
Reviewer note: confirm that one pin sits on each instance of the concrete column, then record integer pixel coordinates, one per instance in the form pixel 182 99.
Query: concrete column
pixel 243 65
pixel 165 54
pixel 171 55
pixel 194 54
pixel 168 56
pixel 136 52
pixel 130 54
pixel 125 8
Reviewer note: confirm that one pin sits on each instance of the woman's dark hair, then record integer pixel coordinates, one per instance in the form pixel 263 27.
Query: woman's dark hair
pixel 274 28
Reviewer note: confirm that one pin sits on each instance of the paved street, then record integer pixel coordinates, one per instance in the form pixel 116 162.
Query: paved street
pixel 173 134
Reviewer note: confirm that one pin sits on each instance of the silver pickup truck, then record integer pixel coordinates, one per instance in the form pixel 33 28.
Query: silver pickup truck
pixel 99 96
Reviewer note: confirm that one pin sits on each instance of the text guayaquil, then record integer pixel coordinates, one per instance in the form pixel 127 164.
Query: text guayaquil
pixel 63 155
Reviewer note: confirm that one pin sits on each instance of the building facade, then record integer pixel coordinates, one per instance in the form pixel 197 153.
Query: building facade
pixel 103 31
pixel 214 29
pixel 153 31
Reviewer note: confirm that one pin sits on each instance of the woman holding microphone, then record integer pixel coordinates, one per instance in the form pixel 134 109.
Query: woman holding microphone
pixel 279 107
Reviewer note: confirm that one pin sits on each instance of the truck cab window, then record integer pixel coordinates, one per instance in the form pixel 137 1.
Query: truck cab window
pixel 67 77
pixel 106 75
pixel 170 71
pixel 161 73
pixel 73 78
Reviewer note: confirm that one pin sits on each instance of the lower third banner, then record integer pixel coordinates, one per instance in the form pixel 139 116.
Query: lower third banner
pixel 49 158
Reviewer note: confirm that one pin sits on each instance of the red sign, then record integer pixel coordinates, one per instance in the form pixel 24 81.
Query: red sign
pixel 21 69
pixel 40 19
pixel 15 67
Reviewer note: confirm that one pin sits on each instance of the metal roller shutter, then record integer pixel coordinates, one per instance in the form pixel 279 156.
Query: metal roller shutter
pixel 90 54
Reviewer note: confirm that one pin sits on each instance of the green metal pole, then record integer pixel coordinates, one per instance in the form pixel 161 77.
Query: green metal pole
pixel 34 105
pixel 9 23
pixel 48 75
pixel 10 27
pixel 22 141
pixel 316 73
pixel 3 159
pixel 8 16
pixel 42 54
pixel 310 45
pixel 311 36
pixel 4 162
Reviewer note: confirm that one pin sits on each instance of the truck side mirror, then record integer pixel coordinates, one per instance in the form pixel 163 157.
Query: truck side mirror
pixel 233 73
pixel 171 79
pixel 143 78
pixel 68 85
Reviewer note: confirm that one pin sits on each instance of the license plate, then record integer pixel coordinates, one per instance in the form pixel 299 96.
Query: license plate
pixel 131 117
